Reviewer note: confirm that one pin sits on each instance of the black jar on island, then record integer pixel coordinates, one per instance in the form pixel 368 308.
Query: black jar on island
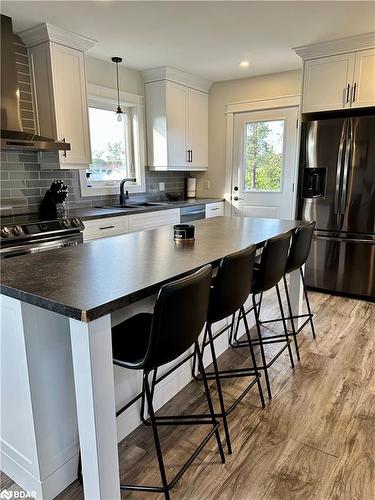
pixel 184 232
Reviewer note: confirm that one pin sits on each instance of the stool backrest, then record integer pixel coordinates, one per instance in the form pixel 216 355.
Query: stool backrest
pixel 232 284
pixel 300 246
pixel 272 263
pixel 179 316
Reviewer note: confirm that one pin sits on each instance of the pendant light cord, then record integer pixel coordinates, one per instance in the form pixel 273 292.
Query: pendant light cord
pixel 118 88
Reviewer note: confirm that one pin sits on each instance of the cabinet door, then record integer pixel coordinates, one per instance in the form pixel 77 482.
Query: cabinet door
pixel 214 209
pixel 176 111
pixel 198 128
pixel 326 83
pixel 150 220
pixel 363 93
pixel 68 70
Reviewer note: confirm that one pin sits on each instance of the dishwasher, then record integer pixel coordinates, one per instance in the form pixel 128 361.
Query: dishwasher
pixel 195 212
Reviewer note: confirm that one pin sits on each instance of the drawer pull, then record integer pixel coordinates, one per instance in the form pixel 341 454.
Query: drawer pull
pixel 212 209
pixel 106 227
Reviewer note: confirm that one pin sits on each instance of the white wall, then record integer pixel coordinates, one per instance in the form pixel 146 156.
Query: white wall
pixel 103 73
pixel 222 93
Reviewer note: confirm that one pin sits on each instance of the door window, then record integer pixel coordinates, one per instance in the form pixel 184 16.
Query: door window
pixel 263 155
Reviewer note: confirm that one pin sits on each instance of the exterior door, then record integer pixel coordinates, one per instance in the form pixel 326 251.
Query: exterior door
pixel 264 163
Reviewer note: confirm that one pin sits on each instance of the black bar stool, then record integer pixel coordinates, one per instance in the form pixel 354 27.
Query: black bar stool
pixel 298 253
pixel 148 341
pixel 229 290
pixel 267 274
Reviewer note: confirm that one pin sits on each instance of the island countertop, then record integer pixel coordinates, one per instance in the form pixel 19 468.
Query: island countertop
pixel 94 279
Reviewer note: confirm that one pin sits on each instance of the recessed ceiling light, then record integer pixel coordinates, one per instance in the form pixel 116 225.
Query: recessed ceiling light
pixel 244 64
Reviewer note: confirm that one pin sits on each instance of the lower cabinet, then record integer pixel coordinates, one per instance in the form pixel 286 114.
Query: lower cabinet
pixel 108 226
pixel 149 220
pixel 112 226
pixel 214 209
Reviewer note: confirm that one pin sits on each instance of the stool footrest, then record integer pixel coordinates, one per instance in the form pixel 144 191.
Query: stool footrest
pixel 172 483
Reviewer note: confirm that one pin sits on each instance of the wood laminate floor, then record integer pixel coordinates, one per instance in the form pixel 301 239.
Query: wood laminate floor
pixel 314 440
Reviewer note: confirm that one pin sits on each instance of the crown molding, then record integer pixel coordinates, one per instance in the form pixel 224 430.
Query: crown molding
pixel 176 76
pixel 339 46
pixel 46 32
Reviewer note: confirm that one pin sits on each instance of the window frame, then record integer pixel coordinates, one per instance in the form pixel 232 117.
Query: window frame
pixel 105 98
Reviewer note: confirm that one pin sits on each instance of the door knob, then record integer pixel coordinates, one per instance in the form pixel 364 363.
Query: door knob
pixel 236 198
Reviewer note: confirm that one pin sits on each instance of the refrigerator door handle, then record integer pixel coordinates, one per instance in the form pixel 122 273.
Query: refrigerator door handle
pixel 340 158
pixel 347 160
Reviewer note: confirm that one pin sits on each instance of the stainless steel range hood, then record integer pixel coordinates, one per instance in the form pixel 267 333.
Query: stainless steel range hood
pixel 12 133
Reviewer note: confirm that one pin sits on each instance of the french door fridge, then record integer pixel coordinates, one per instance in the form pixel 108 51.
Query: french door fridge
pixel 337 189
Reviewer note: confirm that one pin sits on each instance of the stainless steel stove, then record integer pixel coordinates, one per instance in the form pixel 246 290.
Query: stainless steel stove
pixel 31 233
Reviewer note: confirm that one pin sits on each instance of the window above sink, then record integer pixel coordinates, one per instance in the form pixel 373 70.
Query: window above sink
pixel 117 148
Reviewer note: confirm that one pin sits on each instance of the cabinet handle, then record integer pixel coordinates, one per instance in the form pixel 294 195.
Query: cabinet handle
pixel 188 155
pixel 191 156
pixel 106 227
pixel 64 152
pixel 212 209
pixel 347 93
pixel 354 92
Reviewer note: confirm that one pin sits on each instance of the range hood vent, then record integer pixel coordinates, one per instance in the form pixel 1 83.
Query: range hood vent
pixel 12 134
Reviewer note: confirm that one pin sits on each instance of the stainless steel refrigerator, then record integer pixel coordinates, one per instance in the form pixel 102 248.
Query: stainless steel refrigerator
pixel 337 189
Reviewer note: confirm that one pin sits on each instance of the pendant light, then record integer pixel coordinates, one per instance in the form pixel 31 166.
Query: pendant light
pixel 119 111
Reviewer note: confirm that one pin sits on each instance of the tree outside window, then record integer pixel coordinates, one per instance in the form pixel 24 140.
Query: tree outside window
pixel 263 155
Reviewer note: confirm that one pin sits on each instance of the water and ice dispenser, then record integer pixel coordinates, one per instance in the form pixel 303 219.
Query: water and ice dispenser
pixel 314 183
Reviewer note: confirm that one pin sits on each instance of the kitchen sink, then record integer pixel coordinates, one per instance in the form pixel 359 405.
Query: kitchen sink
pixel 144 204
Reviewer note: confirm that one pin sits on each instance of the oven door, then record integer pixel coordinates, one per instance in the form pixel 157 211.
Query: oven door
pixel 41 245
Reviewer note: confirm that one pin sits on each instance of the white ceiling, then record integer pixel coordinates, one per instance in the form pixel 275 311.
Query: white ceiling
pixel 208 39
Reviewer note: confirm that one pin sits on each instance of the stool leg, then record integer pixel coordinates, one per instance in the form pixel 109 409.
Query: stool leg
pixel 218 385
pixel 253 356
pixel 156 435
pixel 209 401
pixel 291 317
pixel 260 304
pixel 262 348
pixel 284 325
pixel 195 358
pixel 230 340
pixel 307 303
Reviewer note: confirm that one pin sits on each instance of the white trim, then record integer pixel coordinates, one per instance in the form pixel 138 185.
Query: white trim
pixel 98 93
pixel 176 76
pixel 340 46
pixel 256 105
pixel 46 32
pixel 263 104
pixel 106 98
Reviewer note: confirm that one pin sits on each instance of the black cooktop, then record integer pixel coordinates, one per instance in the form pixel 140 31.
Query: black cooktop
pixel 24 219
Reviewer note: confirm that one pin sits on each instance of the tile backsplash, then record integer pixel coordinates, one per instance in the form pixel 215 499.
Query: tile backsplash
pixel 23 184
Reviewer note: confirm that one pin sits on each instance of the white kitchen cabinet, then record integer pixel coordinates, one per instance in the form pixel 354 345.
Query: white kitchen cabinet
pixel 150 220
pixel 363 92
pixel 177 121
pixel 339 74
pixel 197 128
pixel 214 209
pixel 327 83
pixel 107 226
pixel 59 91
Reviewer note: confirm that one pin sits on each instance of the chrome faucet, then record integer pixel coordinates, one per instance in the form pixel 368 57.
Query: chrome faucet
pixel 125 196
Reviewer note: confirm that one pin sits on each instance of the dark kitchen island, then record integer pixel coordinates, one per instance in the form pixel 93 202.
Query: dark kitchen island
pixel 57 311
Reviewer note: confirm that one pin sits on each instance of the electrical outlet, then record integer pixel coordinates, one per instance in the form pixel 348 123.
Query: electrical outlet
pixel 161 186
pixel 206 184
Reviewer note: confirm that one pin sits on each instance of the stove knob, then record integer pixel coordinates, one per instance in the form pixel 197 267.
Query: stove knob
pixel 75 222
pixel 65 223
pixel 17 230
pixel 5 232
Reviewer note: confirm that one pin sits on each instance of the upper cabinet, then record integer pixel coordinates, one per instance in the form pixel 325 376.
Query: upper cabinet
pixel 177 120
pixel 338 75
pixel 59 91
